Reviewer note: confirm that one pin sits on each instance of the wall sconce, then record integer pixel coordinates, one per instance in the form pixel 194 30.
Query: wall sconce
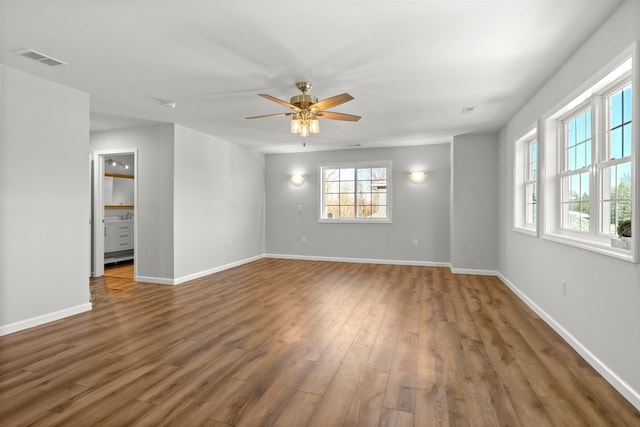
pixel 297 179
pixel 417 176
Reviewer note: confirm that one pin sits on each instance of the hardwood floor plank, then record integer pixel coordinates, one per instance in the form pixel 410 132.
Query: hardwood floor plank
pixel 324 370
pixel 298 410
pixel 525 402
pixel 269 406
pixel 83 405
pixel 395 418
pixel 173 402
pixel 296 343
pixel 272 370
pixel 368 398
pixel 86 412
pixel 401 388
pixel 20 410
pixel 337 399
pixel 431 397
pixel 489 399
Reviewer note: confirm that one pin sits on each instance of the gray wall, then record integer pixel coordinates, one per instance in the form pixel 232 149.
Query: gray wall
pixel 154 178
pixel 474 203
pixel 219 203
pixel 420 211
pixel 196 194
pixel 600 313
pixel 44 210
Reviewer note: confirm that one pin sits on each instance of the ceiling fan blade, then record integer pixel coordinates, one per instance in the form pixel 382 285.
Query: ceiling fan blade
pixel 279 101
pixel 338 116
pixel 331 102
pixel 270 115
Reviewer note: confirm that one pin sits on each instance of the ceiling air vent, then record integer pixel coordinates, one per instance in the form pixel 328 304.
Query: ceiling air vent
pixel 467 110
pixel 40 57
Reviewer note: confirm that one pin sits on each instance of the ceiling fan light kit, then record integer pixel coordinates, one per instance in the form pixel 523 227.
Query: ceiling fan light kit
pixel 307 109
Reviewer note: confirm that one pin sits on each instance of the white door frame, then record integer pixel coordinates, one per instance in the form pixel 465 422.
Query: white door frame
pixel 97 240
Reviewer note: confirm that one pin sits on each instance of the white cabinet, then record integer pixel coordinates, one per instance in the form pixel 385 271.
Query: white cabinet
pixel 118 236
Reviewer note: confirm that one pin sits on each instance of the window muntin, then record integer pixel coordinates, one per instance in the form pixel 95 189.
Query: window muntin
pixel 615 169
pixel 616 197
pixel 526 187
pixel 575 202
pixel 578 141
pixel 530 182
pixel 575 194
pixel 619 124
pixel 355 192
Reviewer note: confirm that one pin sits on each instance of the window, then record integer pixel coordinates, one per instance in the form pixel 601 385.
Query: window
pixel 615 168
pixel 575 172
pixel 531 174
pixel 357 192
pixel 526 183
pixel 589 194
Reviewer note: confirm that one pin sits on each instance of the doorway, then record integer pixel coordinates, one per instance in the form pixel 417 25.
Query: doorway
pixel 114 234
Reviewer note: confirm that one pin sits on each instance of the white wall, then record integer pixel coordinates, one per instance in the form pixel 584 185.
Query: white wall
pixel 419 211
pixel 474 203
pixel 154 178
pixel 44 210
pixel 219 199
pixel 600 314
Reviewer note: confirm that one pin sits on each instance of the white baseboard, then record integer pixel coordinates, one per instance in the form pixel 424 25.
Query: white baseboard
pixel 199 274
pixel 45 318
pixel 632 395
pixel 154 280
pixel 213 270
pixel 359 260
pixel 474 271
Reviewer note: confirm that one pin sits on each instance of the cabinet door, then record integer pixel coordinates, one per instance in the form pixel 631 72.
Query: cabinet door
pixel 110 237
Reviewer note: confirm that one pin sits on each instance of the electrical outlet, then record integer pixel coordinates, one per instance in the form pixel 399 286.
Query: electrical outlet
pixel 229 244
pixel 303 239
pixel 564 287
pixel 415 242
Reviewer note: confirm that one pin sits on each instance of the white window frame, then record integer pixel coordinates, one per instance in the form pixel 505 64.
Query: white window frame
pixel 605 162
pixel 622 70
pixel 522 181
pixel 563 168
pixel 372 164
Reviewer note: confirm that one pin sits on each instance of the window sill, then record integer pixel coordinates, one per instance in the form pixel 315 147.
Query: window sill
pixel 593 246
pixel 354 221
pixel 529 231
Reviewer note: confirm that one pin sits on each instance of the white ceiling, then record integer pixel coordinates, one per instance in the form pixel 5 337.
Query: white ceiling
pixel 412 65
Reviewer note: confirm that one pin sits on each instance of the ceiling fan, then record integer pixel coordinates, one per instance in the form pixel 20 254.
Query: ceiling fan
pixel 307 109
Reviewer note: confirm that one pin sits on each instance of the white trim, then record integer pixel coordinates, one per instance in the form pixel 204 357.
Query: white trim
pixel 474 271
pixel 193 276
pixel 97 220
pixel 606 80
pixel 154 280
pixel 213 270
pixel 45 318
pixel 520 166
pixel 529 231
pixel 388 164
pixel 592 246
pixel 359 260
pixel 632 395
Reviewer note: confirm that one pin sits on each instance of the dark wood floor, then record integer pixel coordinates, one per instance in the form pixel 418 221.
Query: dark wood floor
pixel 297 343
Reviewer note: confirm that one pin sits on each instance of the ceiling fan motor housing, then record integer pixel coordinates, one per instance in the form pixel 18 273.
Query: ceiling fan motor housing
pixel 303 101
